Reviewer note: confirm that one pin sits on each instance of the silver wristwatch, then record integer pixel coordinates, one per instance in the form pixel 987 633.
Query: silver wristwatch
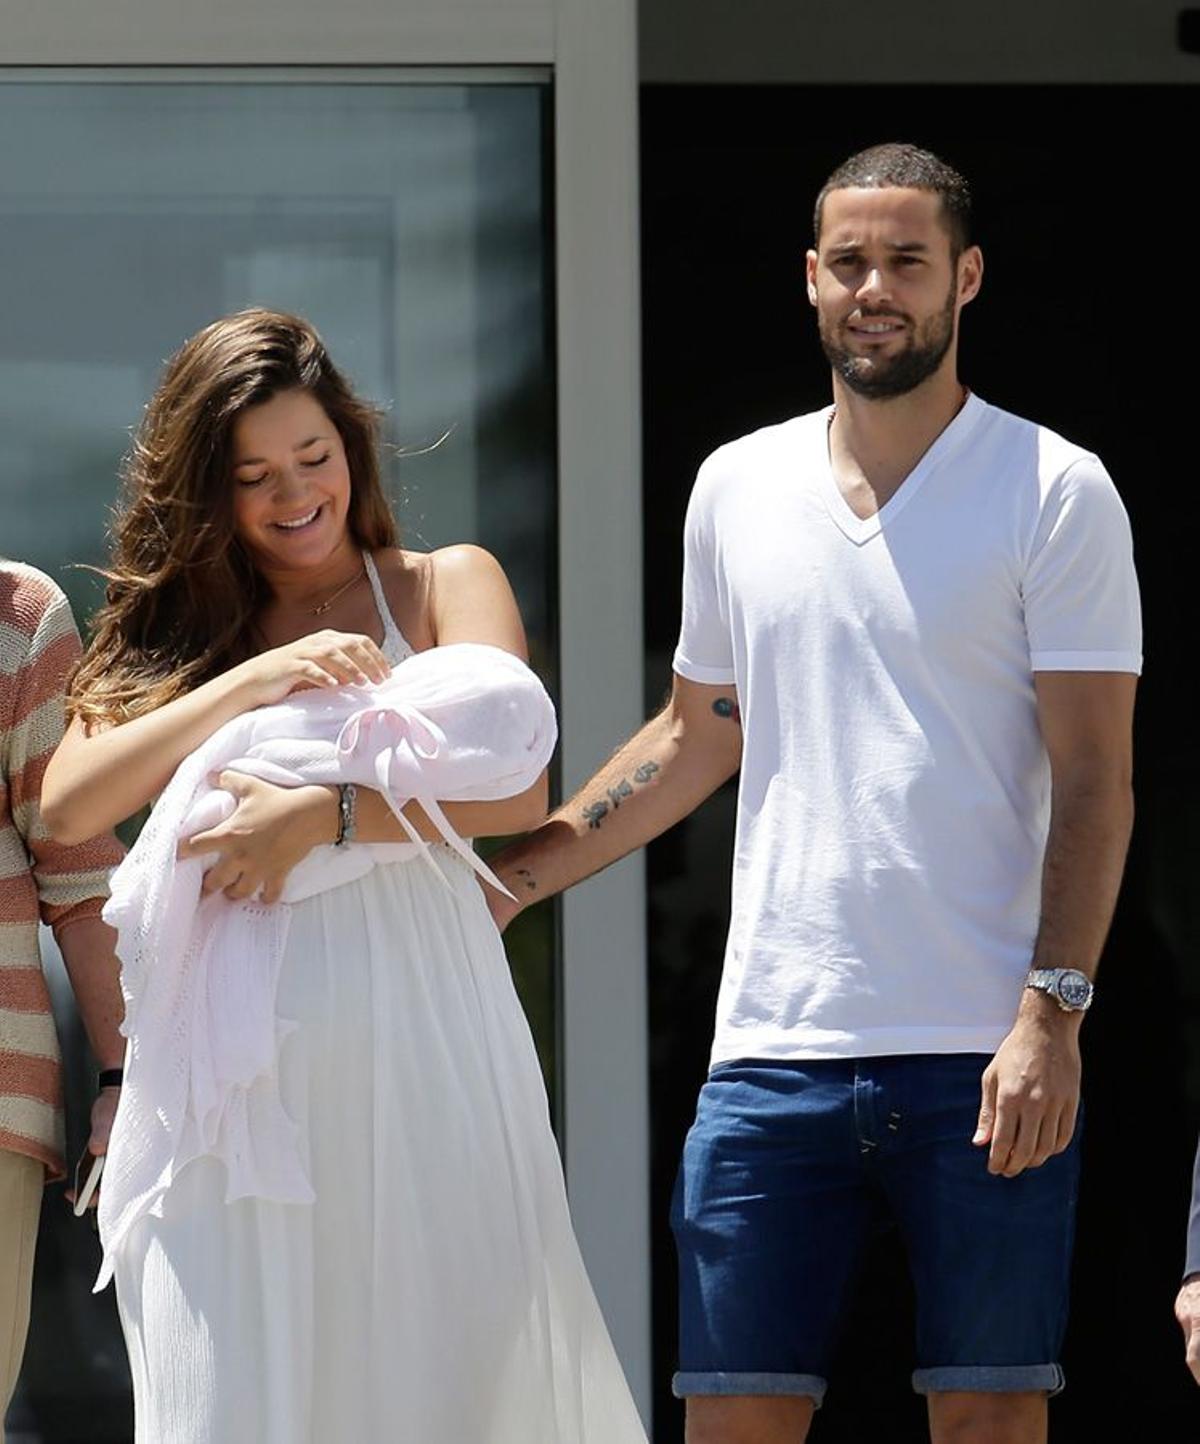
pixel 1070 989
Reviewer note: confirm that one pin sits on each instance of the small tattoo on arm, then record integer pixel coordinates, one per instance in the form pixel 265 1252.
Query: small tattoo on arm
pixel 527 878
pixel 727 707
pixel 645 772
pixel 595 813
pixel 621 790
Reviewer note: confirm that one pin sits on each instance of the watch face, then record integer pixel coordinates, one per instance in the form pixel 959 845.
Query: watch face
pixel 1074 989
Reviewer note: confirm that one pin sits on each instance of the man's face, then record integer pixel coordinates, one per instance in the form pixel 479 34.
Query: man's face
pixel 886 289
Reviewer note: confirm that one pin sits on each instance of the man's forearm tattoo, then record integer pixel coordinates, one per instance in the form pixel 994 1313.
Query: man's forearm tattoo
pixel 595 812
pixel 622 789
pixel 527 878
pixel 727 707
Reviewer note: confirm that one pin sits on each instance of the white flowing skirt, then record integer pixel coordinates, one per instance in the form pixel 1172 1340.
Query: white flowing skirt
pixel 434 1292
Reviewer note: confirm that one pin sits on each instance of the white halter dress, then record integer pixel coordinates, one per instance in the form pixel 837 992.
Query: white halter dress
pixel 433 1292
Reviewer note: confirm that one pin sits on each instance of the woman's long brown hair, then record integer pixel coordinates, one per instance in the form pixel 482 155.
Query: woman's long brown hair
pixel 182 592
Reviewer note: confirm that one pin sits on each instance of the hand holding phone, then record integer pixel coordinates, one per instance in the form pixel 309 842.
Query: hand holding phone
pixel 85 1187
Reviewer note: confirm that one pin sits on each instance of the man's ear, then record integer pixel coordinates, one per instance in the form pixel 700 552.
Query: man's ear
pixel 810 276
pixel 970 274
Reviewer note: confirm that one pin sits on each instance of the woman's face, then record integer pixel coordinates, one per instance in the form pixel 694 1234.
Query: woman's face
pixel 291 483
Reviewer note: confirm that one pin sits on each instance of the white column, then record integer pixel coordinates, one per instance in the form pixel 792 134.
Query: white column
pixel 604 945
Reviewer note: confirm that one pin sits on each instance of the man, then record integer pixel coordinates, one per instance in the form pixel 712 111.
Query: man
pixel 912 619
pixel 68 886
pixel 1187 1302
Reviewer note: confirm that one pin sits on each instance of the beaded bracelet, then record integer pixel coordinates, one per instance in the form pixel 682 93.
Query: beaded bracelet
pixel 347 795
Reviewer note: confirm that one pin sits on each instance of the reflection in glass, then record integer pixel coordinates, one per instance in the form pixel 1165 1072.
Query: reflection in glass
pixel 408 222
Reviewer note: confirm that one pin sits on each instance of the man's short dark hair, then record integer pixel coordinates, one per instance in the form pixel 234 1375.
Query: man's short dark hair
pixel 909 167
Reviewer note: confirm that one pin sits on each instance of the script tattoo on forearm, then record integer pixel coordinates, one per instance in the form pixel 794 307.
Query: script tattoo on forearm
pixel 623 789
pixel 728 708
pixel 595 812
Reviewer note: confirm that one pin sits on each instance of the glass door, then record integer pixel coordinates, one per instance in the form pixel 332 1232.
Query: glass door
pixel 408 218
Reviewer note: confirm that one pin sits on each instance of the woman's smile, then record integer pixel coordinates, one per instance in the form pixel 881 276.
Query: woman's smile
pixel 291 483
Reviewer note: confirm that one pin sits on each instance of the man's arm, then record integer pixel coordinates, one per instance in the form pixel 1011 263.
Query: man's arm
pixel 661 774
pixel 1031 1087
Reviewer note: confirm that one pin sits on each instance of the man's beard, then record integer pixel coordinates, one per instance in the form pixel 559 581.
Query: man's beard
pixel 880 379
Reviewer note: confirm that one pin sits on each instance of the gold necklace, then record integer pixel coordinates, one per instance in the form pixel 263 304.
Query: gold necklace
pixel 345 587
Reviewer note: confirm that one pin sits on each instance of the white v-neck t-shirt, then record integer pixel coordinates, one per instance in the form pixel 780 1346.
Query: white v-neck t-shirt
pixel 894 798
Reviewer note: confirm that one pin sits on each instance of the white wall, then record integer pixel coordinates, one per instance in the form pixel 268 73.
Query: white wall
pixel 879 41
pixel 276 32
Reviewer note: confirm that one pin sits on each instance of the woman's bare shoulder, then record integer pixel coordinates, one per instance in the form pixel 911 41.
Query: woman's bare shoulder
pixel 407 580
pixel 455 593
pixel 464 562
pixel 472 599
pixel 399 561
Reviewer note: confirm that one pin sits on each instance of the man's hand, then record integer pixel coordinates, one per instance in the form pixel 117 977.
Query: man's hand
pixel 270 830
pixel 502 908
pixel 1187 1311
pixel 1031 1089
pixel 520 875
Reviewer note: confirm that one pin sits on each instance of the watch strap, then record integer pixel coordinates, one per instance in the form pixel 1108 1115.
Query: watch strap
pixel 1042 978
pixel 1050 980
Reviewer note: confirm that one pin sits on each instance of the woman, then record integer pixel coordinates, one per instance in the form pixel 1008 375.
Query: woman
pixel 432 1291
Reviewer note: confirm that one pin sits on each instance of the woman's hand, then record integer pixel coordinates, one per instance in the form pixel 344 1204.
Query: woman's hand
pixel 270 830
pixel 322 659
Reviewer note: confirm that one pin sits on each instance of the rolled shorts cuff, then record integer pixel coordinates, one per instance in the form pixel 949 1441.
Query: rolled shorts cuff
pixel 718 1384
pixel 991 1379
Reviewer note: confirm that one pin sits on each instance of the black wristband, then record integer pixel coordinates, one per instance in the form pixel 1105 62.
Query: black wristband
pixel 109 1078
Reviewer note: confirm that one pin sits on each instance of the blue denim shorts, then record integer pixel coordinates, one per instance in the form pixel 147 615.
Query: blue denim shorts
pixel 788 1169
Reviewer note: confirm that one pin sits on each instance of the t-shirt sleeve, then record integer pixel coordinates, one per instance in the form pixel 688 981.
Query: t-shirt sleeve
pixel 705 649
pixel 1082 611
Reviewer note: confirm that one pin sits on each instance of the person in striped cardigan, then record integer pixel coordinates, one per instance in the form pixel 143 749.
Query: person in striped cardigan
pixel 66 887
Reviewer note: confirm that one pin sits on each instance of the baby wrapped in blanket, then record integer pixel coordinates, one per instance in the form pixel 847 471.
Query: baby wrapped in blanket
pixel 464 722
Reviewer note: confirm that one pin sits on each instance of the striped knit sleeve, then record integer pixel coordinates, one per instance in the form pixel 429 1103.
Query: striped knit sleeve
pixel 72 882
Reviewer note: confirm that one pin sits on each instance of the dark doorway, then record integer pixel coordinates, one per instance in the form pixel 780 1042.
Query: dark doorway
pixel 1084 324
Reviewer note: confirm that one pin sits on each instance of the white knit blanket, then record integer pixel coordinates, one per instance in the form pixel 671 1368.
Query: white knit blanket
pixel 460 723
